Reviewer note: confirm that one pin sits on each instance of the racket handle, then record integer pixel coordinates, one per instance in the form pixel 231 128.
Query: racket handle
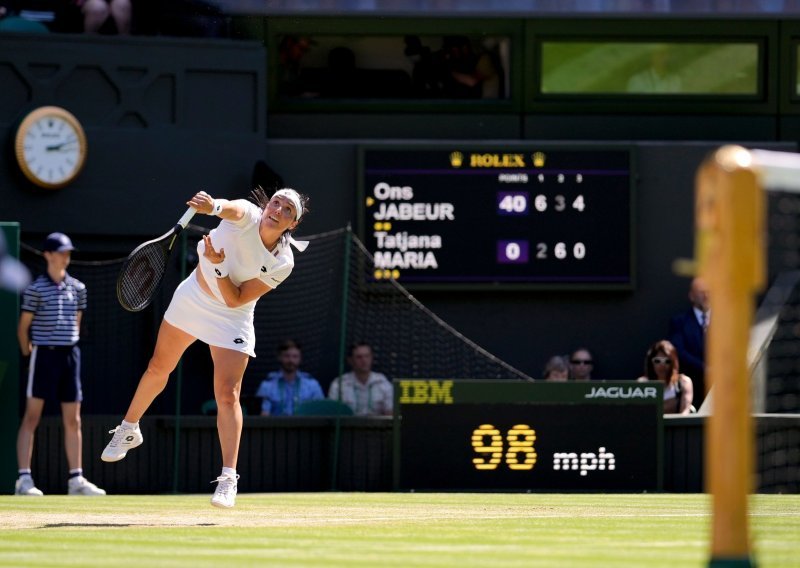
pixel 183 221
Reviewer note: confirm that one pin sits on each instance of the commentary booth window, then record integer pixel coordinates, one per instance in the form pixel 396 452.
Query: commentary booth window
pixel 397 66
pixel 647 69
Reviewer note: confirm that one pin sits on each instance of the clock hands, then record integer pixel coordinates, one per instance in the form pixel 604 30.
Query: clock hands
pixel 59 147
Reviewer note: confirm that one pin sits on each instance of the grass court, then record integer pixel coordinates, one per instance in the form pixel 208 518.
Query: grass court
pixel 384 529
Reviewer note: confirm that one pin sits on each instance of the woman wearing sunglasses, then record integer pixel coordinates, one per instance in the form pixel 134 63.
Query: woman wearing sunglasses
pixel 661 364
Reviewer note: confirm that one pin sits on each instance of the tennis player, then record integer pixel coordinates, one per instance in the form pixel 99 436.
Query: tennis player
pixel 248 254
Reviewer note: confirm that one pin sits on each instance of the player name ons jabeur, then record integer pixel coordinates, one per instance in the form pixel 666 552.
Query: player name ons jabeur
pixel 415 212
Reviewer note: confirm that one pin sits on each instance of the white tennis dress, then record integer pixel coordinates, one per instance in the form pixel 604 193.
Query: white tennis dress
pixel 209 319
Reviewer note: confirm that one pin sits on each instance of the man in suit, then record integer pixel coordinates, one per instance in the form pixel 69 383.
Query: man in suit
pixel 687 333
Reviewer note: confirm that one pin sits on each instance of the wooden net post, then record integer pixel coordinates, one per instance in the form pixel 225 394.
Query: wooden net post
pixel 730 255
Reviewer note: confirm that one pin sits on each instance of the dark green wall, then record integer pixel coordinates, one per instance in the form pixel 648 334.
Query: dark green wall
pixel 166 117
pixel 163 118
pixel 9 368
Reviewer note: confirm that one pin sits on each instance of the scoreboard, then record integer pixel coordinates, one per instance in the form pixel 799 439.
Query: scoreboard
pixel 496 435
pixel 490 215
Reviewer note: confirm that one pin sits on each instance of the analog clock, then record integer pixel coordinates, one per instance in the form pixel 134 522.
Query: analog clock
pixel 50 147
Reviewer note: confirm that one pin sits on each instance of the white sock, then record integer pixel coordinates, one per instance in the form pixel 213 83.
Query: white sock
pixel 229 471
pixel 131 425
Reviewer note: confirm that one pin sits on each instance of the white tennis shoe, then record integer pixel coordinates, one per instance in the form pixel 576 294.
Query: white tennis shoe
pixel 125 438
pixel 25 486
pixel 225 495
pixel 81 486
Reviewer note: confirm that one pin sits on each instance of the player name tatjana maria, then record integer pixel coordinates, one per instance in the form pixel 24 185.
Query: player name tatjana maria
pixel 403 241
pixel 408 259
pixel 401 257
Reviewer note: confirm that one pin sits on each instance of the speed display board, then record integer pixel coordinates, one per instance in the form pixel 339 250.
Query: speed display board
pixel 472 435
pixel 506 216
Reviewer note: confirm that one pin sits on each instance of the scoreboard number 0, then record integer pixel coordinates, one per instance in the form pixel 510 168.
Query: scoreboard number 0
pixel 512 252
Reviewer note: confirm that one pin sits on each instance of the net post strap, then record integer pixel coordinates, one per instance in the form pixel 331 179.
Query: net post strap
pixel 774 169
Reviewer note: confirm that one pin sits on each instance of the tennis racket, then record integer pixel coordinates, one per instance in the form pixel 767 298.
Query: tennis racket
pixel 144 269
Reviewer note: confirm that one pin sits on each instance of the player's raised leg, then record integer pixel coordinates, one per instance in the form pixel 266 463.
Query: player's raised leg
pixel 170 345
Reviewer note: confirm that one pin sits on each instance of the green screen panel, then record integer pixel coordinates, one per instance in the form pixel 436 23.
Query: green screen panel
pixel 643 68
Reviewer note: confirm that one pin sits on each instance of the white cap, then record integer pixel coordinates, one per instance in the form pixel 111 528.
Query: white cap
pixel 294 197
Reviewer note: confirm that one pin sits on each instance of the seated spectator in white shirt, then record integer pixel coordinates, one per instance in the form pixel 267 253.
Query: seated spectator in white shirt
pixel 368 393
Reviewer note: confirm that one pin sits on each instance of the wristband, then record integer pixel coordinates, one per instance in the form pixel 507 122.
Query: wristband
pixel 220 269
pixel 216 207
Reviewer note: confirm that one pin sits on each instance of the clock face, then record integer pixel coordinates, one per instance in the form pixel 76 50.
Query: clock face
pixel 50 147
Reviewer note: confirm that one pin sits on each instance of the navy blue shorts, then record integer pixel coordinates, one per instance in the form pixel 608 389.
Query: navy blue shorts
pixel 55 373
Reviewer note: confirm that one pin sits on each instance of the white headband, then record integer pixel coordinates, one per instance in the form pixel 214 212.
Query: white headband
pixel 292 196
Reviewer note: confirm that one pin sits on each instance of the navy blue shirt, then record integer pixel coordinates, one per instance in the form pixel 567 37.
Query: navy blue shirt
pixel 55 308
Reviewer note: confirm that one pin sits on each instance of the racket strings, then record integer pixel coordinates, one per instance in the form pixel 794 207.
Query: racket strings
pixel 141 275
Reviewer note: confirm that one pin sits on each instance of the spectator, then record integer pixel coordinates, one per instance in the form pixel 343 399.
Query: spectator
pixel 287 388
pixel 368 393
pixel 556 369
pixel 29 16
pixel 427 72
pixel 79 16
pixel 48 332
pixel 658 77
pixel 97 12
pixel 468 75
pixel 291 51
pixel 687 334
pixel 661 364
pixel 342 77
pixel 581 365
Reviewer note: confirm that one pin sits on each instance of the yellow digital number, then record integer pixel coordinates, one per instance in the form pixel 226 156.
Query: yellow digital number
pixel 520 454
pixel 488 444
pixel 493 450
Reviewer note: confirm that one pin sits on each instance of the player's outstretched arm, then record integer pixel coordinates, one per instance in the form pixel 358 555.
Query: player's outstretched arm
pixel 222 208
